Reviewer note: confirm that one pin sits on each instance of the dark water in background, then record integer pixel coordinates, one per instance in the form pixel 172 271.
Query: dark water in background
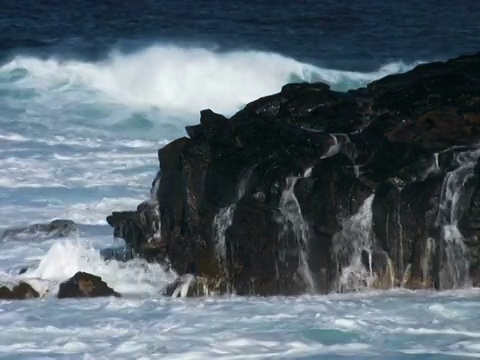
pixel 349 35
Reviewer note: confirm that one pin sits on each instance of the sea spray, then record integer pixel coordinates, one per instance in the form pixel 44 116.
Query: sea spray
pixel 65 258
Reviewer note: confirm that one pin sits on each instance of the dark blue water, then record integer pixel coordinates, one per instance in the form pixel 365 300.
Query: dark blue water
pixel 353 35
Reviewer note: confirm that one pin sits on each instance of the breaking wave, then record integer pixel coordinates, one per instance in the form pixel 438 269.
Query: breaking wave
pixel 172 79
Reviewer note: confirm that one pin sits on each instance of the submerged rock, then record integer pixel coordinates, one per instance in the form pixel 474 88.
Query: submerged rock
pixel 273 200
pixel 20 291
pixel 85 285
pixel 58 228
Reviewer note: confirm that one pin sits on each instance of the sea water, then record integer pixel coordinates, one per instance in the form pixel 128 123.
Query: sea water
pixel 90 90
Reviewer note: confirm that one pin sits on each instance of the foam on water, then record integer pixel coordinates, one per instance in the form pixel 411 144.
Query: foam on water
pixel 327 327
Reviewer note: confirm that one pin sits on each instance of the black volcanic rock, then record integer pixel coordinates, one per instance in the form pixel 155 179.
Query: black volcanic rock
pixel 263 203
pixel 83 285
pixel 308 106
pixel 20 291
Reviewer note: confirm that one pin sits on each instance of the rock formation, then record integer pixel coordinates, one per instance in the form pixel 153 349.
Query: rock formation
pixel 20 291
pixel 83 285
pixel 58 228
pixel 311 190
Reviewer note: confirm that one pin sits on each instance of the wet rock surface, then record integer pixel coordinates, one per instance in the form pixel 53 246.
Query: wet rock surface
pixel 85 285
pixel 21 291
pixel 272 200
pixel 58 228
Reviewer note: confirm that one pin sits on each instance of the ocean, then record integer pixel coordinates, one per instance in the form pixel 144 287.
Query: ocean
pixel 89 90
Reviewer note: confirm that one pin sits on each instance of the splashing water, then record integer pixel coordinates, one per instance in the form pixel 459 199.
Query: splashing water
pixel 356 236
pixel 65 258
pixel 293 220
pixel 184 285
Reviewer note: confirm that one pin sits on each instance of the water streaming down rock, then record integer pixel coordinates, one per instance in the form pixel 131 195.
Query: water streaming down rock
pixel 308 172
pixel 406 275
pixel 398 219
pixel 432 169
pixel 355 237
pixel 334 149
pixel 455 196
pixel 151 215
pixel 155 186
pixel 243 182
pixel 224 217
pixel 222 221
pixel 427 259
pixel 340 142
pixel 182 286
pixel 293 222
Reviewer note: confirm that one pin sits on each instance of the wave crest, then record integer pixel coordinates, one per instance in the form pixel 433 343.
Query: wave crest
pixel 178 79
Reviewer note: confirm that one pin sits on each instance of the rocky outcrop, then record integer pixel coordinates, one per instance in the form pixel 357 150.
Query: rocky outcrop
pixel 83 285
pixel 20 291
pixel 311 190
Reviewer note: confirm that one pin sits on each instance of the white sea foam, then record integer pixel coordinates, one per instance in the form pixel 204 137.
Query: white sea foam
pixel 12 139
pixel 235 328
pixel 78 167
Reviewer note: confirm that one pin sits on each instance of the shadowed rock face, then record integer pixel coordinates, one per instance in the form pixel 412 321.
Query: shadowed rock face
pixel 20 291
pixel 271 201
pixel 85 285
